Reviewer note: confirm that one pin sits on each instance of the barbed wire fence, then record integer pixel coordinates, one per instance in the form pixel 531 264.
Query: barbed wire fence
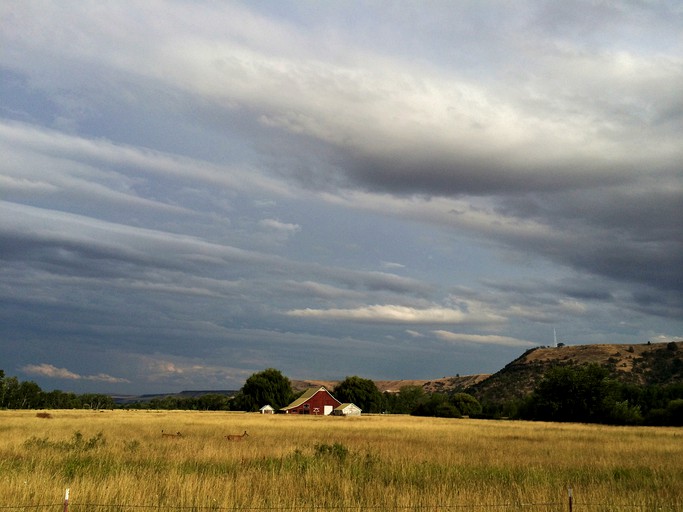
pixel 559 506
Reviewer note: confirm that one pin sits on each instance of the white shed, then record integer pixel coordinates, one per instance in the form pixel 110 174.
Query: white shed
pixel 267 409
pixel 347 410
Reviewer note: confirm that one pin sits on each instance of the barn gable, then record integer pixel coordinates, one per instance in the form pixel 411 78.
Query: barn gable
pixel 316 401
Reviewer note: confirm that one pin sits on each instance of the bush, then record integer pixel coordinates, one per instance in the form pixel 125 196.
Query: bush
pixel 466 404
pixel 336 450
pixel 439 406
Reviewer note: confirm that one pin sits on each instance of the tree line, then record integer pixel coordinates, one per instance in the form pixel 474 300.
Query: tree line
pixel 28 395
pixel 565 393
pixel 273 388
pixel 588 394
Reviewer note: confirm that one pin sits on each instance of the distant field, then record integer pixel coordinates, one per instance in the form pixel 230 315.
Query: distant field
pixel 117 459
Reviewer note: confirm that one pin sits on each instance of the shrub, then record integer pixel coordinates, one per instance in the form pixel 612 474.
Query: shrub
pixel 77 442
pixel 336 450
pixel 466 404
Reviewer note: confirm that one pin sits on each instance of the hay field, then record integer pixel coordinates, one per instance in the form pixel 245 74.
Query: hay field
pixel 118 460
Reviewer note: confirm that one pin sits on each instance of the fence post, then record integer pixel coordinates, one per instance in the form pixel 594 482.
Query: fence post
pixel 571 499
pixel 66 500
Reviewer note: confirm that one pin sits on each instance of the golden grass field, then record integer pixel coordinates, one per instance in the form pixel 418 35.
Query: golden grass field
pixel 118 460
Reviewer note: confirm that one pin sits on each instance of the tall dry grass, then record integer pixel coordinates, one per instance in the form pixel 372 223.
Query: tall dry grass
pixel 114 459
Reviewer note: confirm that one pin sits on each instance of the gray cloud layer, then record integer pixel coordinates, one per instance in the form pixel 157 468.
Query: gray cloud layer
pixel 192 192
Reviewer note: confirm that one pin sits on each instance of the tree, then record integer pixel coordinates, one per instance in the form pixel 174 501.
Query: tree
pixel 262 388
pixel 211 402
pixel 9 395
pixel 406 400
pixel 437 405
pixel 466 404
pixel 568 393
pixel 96 401
pixel 57 399
pixel 30 395
pixel 359 391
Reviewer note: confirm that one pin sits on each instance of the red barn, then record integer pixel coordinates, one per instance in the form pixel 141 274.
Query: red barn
pixel 314 401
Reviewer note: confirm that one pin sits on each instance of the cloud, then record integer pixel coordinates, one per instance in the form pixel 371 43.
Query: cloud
pixel 399 314
pixel 74 237
pixel 638 241
pixel 550 150
pixel 109 170
pixel 320 290
pixel 285 183
pixel 279 226
pixel 482 339
pixel 391 265
pixel 187 373
pixel 50 371
pixel 553 125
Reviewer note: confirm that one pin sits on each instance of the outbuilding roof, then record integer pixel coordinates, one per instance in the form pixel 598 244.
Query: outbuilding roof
pixel 344 406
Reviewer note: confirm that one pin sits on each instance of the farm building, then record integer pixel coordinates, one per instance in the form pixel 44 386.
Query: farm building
pixel 317 401
pixel 347 410
pixel 267 409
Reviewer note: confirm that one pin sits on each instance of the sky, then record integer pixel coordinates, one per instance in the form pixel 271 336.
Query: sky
pixel 195 191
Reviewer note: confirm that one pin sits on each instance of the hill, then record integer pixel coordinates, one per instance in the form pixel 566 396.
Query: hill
pixel 643 364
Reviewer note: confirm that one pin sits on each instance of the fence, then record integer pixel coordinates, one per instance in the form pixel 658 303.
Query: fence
pixel 569 505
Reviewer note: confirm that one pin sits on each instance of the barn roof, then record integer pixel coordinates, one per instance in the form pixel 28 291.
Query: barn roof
pixel 307 395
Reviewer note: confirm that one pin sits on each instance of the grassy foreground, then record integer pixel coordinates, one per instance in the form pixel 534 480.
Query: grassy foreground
pixel 118 460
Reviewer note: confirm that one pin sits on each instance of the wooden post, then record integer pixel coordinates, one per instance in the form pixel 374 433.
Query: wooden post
pixel 66 500
pixel 571 499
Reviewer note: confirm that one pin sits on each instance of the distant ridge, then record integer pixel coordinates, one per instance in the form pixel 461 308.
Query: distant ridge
pixel 130 399
pixel 444 384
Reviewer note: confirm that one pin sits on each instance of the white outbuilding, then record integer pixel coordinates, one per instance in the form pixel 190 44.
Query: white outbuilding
pixel 347 410
pixel 267 409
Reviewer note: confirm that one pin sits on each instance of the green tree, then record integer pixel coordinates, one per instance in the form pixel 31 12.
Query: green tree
pixel 30 395
pixel 96 401
pixel 57 399
pixel 675 412
pixel 568 393
pixel 437 405
pixel 212 402
pixel 466 404
pixel 406 400
pixel 9 395
pixel 262 388
pixel 359 391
